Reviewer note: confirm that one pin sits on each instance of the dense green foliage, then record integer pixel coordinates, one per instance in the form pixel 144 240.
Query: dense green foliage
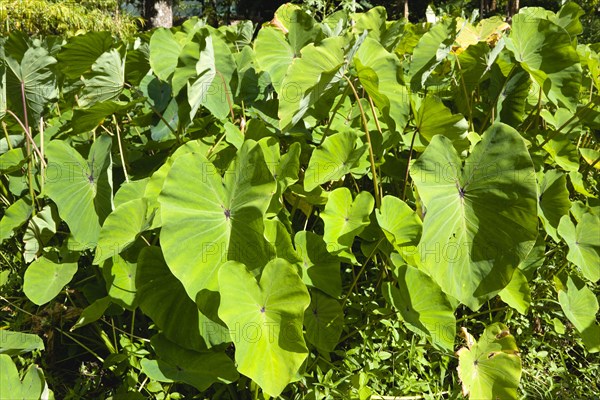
pixel 59 17
pixel 315 212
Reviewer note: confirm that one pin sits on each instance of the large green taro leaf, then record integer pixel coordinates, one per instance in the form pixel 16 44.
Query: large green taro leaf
pixel 324 321
pixel 423 306
pixel 178 364
pixel 373 21
pixel 88 119
pixel 378 72
pixel 207 220
pixel 300 28
pixel 554 201
pixel 11 386
pixel 584 243
pixel 544 49
pixel 44 279
pixel 273 54
pixel 308 78
pixel 162 297
pixel 265 322
pixel 157 180
pixel 14 343
pixel 333 159
pixel 105 81
pixel 490 368
pixel 434 118
pixel 214 70
pixel 164 53
pixel 344 218
pixel 432 49
pixel 510 94
pixel 80 52
pixel 481 218
pixel 317 267
pixel 580 306
pixel 34 75
pixel 81 189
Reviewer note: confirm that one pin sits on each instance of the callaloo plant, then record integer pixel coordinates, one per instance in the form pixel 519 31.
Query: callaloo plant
pixel 312 211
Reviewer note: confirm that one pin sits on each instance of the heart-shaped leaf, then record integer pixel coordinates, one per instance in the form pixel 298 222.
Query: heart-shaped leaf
pixel 584 243
pixel 44 279
pixel 273 54
pixel 209 220
pixel 481 216
pixel 308 78
pixel 11 386
pixel 378 72
pixel 580 306
pixel 544 49
pixel 164 52
pixel 400 224
pixel 106 81
pixel 332 160
pixel 81 189
pixel 81 51
pixel 34 76
pixel 344 218
pixel 490 368
pixel 265 321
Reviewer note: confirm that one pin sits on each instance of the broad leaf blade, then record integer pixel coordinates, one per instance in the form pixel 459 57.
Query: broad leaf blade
pixel 481 218
pixel 267 318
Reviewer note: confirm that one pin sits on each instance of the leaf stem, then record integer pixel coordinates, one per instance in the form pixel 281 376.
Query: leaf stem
pixel 467 97
pixel 6 135
pixel 335 110
pixel 410 151
pixel 35 148
pixel 477 314
pixel 362 269
pixel 81 344
pixel 493 105
pixel 371 156
pixel 162 118
pixel 121 148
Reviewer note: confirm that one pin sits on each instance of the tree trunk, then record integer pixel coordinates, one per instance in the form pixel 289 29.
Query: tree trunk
pixel 406 9
pixel 512 8
pixel 158 13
